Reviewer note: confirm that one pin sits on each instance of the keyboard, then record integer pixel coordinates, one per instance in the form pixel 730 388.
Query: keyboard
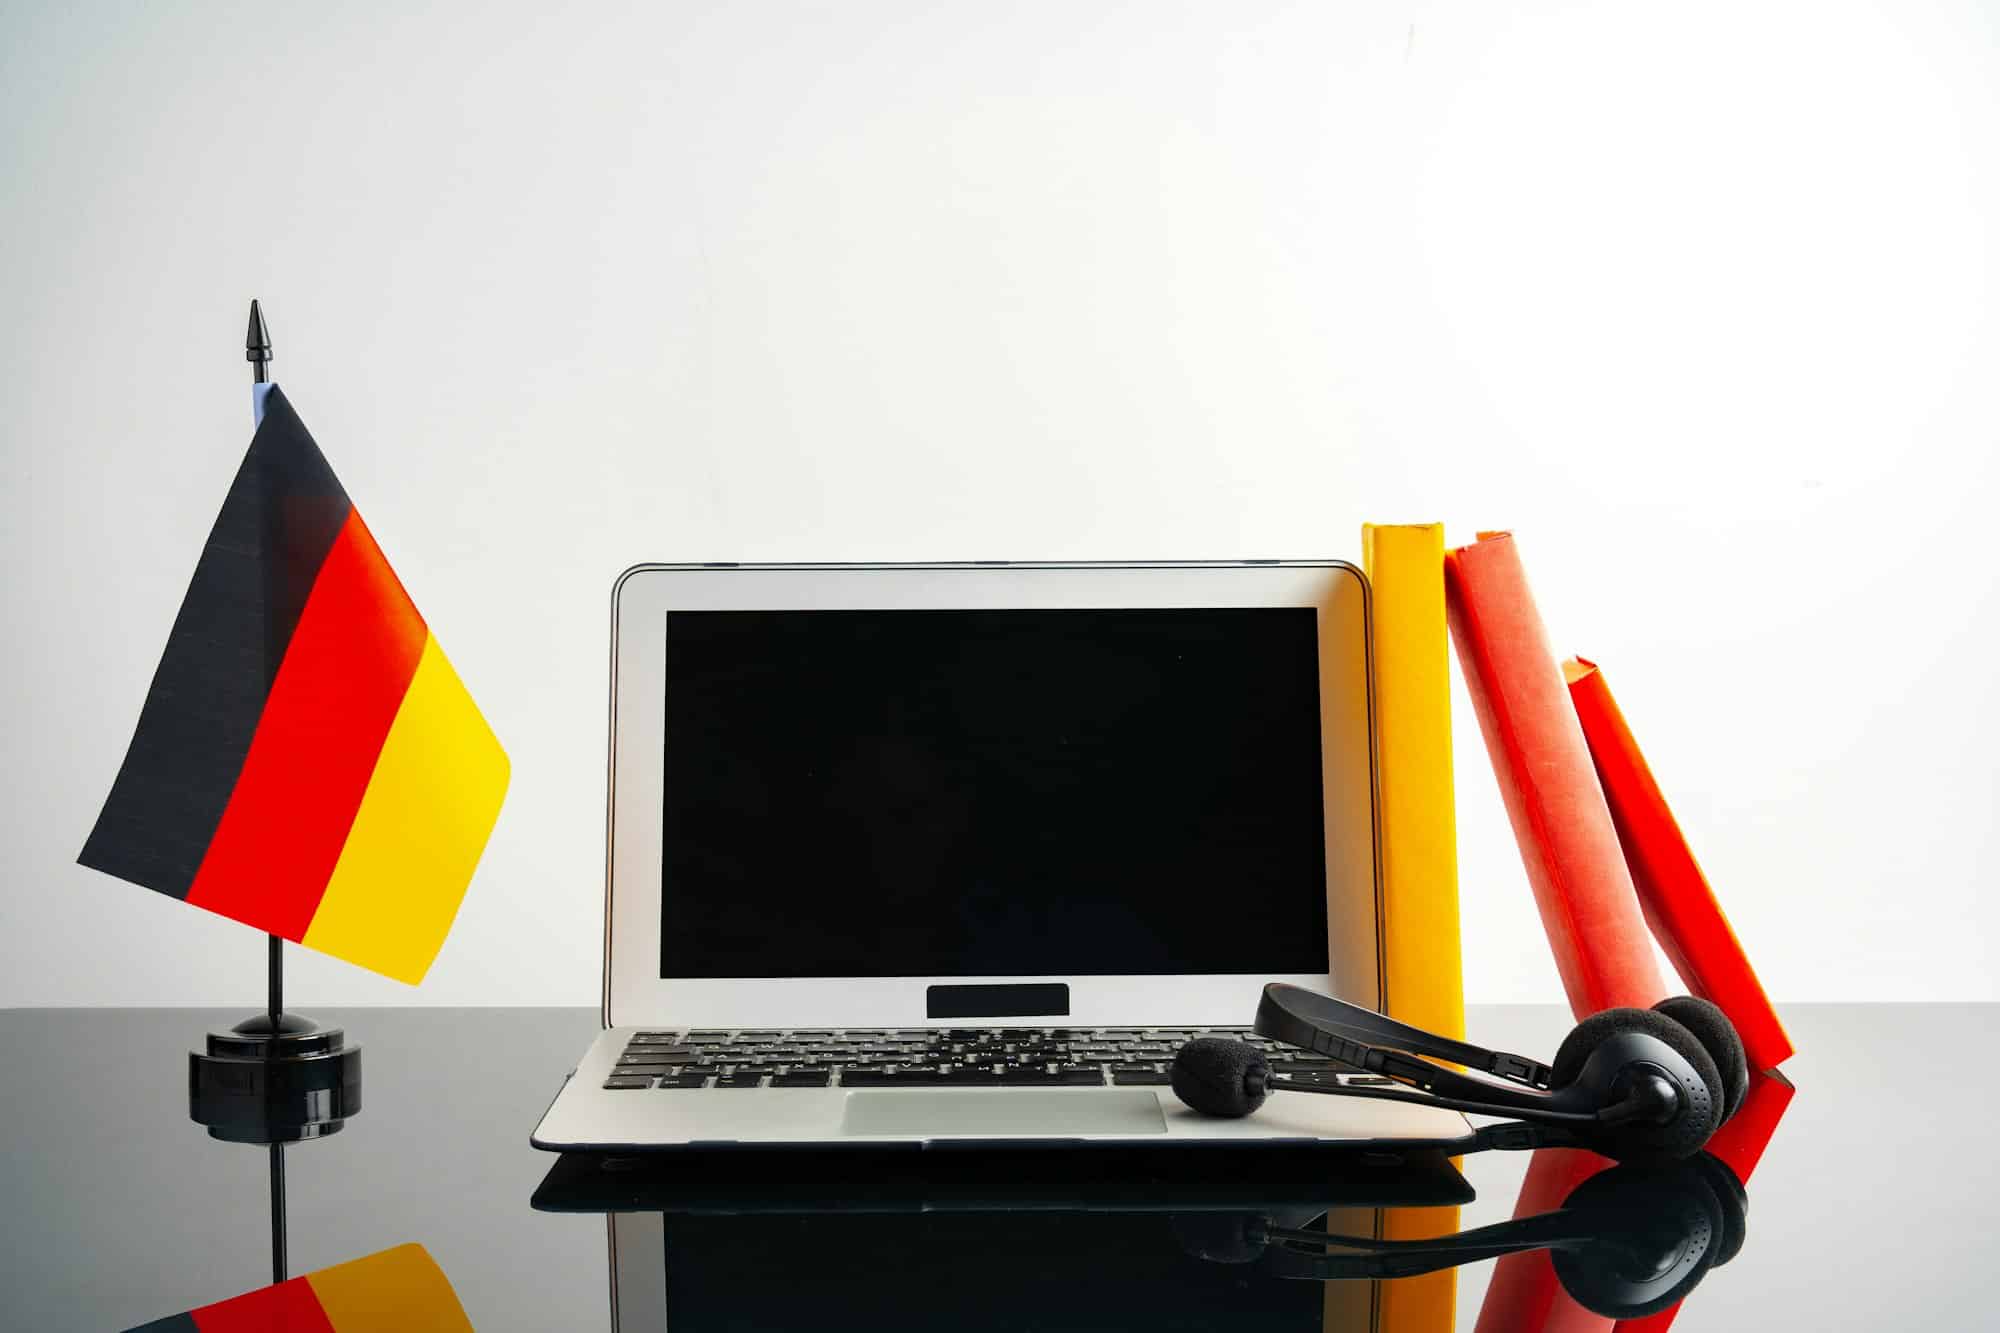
pixel 931 1058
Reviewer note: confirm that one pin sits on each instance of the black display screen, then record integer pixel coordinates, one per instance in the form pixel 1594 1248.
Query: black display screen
pixel 992 793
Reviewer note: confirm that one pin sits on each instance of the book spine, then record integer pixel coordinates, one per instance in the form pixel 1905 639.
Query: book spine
pixel 1423 970
pixel 1678 903
pixel 1424 980
pixel 1568 844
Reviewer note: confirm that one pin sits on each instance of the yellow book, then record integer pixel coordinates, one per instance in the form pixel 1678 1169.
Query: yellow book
pixel 1423 980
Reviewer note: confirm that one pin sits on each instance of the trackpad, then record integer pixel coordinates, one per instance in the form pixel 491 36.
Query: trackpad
pixel 918 1114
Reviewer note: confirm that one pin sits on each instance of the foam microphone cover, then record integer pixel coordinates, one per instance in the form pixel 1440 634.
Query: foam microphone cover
pixel 1220 1076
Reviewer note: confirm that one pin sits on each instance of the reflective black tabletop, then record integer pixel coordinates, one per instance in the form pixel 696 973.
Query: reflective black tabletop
pixel 1872 1206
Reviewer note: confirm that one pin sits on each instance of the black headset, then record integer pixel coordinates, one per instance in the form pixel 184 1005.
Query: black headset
pixel 1636 1085
pixel 1628 1242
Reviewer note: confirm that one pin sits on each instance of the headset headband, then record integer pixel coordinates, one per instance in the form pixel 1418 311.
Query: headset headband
pixel 1299 1017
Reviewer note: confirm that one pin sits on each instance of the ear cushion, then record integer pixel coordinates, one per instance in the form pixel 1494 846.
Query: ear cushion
pixel 1717 1035
pixel 1666 1226
pixel 1735 1201
pixel 1637 1141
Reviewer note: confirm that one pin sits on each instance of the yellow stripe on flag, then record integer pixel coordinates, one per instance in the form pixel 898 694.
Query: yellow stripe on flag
pixel 422 823
pixel 397 1290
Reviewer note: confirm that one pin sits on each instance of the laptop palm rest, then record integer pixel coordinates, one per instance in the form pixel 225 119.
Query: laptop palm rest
pixel 1002 1113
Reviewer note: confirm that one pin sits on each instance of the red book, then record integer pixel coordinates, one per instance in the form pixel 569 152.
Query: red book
pixel 1677 900
pixel 1575 864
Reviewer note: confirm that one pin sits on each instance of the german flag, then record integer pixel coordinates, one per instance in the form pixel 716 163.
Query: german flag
pixel 306 762
pixel 391 1292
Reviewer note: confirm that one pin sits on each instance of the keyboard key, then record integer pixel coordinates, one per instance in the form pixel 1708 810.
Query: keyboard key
pixel 919 1078
pixel 757 1036
pixel 662 1058
pixel 1128 1078
pixel 683 1080
pixel 803 1078
pixel 623 1081
pixel 883 1078
pixel 1061 1078
pixel 739 1080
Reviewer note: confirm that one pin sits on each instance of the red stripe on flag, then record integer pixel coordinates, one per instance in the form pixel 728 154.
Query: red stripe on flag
pixel 289 1307
pixel 331 704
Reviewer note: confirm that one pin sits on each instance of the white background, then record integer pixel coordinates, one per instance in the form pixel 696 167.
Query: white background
pixel 1699 299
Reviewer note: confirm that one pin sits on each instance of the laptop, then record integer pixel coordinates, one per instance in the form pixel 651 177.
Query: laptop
pixel 1008 1239
pixel 960 854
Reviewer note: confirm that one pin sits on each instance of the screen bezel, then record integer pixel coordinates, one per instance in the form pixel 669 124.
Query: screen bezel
pixel 636 900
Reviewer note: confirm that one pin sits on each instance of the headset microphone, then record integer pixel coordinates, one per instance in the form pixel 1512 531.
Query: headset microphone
pixel 1632 1084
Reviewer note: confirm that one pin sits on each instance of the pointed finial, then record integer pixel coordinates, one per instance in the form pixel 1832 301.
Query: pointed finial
pixel 257 343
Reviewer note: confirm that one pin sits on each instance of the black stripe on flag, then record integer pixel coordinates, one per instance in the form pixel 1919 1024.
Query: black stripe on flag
pixel 277 523
pixel 173 1323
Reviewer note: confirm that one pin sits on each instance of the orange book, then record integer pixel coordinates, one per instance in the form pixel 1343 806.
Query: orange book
pixel 1679 905
pixel 1574 862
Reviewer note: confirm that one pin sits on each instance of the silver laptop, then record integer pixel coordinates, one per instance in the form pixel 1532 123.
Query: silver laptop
pixel 910 854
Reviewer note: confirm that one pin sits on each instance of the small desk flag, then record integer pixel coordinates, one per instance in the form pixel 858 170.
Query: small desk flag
pixel 306 762
pixel 392 1292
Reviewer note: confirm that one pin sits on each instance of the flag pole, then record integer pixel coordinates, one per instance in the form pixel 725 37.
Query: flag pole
pixel 257 351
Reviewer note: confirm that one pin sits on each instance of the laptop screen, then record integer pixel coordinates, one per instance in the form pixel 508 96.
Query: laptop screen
pixel 940 793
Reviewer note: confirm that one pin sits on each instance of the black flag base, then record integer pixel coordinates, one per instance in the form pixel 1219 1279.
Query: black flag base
pixel 276 1078
pixel 266 1082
